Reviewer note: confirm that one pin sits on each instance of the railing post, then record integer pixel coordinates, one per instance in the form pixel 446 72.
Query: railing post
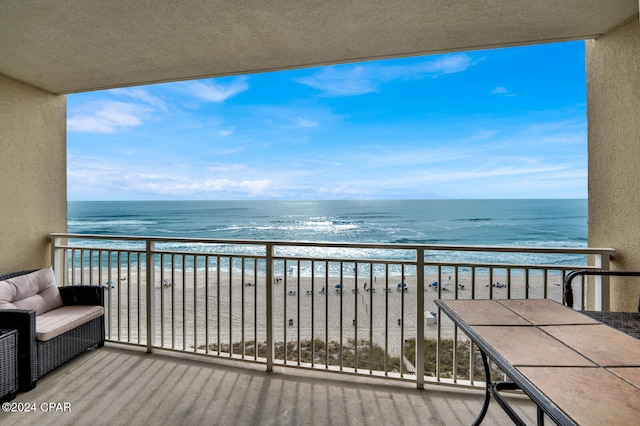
pixel 269 307
pixel 601 283
pixel 420 319
pixel 151 294
pixel 56 259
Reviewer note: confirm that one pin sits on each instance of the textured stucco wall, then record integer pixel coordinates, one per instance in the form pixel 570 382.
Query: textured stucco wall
pixel 613 93
pixel 33 186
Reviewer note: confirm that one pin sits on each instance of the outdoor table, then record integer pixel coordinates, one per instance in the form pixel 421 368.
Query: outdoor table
pixel 574 368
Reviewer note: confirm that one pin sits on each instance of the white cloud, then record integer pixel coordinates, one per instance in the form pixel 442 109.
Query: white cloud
pixel 349 80
pixel 446 64
pixel 230 150
pixel 341 191
pixel 251 185
pixel 294 116
pixel 225 132
pixel 141 95
pixel 305 123
pixel 92 178
pixel 225 168
pixel 502 91
pixel 115 116
pixel 213 91
pixel 108 117
pixel 342 81
pixel 185 186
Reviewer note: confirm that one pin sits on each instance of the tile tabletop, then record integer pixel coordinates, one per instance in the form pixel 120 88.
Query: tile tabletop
pixel 546 312
pixel 530 346
pixel 589 396
pixel 485 312
pixel 602 344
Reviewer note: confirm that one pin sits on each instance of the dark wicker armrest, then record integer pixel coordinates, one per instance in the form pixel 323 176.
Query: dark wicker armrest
pixel 568 291
pixel 25 322
pixel 82 295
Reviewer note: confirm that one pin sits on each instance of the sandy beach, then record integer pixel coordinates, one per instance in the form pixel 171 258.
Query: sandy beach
pixel 191 311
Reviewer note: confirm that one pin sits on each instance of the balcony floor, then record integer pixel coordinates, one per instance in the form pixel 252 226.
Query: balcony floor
pixel 122 385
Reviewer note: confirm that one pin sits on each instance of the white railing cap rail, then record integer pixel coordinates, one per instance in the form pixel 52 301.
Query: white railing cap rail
pixel 397 246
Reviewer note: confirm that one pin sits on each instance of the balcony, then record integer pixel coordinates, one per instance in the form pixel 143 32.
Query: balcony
pixel 343 331
pixel 367 310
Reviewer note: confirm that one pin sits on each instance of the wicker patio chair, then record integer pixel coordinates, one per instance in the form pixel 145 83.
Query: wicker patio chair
pixel 36 358
pixel 8 369
pixel 627 322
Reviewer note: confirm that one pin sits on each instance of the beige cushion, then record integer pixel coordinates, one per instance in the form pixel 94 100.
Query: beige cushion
pixel 63 319
pixel 7 295
pixel 36 291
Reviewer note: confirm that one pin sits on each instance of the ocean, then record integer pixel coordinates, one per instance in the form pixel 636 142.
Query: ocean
pixel 516 223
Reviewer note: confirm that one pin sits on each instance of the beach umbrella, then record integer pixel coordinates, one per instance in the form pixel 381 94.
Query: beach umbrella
pixel 338 285
pixel 402 285
pixel 434 284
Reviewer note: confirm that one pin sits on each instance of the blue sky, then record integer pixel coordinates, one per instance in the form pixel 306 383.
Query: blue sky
pixel 503 123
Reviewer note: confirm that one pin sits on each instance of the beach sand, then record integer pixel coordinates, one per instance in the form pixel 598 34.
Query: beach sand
pixel 190 314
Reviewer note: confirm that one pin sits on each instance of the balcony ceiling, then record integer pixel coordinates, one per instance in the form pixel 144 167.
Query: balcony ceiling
pixel 74 46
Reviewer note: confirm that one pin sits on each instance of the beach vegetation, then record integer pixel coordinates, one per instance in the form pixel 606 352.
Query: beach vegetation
pixel 363 356
pixel 368 356
pixel 447 352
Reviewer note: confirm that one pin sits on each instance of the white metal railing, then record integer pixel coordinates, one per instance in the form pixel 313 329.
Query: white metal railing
pixel 368 311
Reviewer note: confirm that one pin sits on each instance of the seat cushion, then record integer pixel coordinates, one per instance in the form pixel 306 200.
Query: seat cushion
pixel 36 291
pixel 63 319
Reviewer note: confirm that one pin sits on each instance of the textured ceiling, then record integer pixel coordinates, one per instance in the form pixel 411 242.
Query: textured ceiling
pixel 71 46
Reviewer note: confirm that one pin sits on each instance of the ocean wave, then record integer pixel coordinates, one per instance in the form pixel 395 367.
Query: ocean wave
pixel 425 241
pixel 327 225
pixel 552 220
pixel 108 223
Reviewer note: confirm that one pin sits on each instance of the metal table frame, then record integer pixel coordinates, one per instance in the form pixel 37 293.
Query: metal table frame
pixel 519 381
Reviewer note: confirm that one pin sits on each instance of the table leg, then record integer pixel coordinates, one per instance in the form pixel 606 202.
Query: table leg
pixel 540 417
pixel 487 393
pixel 495 388
pixel 500 386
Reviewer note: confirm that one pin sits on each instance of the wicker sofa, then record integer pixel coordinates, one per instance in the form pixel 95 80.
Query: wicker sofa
pixel 54 323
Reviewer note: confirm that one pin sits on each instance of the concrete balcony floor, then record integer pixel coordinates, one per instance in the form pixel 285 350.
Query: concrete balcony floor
pixel 118 385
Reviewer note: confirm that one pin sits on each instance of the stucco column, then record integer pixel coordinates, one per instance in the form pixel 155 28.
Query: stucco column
pixel 33 166
pixel 613 98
